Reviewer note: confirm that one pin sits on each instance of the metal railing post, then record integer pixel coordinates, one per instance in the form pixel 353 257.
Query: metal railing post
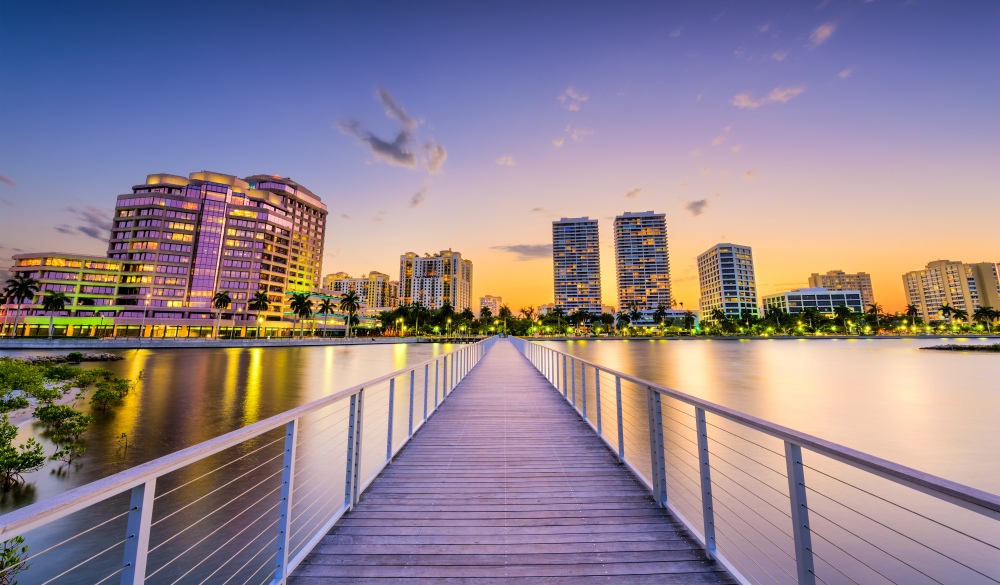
pixel 140 519
pixel 285 508
pixel 572 378
pixel 444 378
pixel 427 380
pixel 437 364
pixel 413 381
pixel 354 449
pixel 621 429
pixel 392 399
pixel 707 511
pixel 597 392
pixel 656 446
pixel 800 514
pixel 583 388
pixel 565 386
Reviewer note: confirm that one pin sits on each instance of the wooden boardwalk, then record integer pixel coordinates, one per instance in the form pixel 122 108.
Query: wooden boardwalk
pixel 506 484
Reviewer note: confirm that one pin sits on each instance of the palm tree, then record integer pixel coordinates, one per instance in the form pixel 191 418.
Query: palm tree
pixel 19 289
pixel 350 303
pixel 302 308
pixel 623 320
pixel 52 302
pixel 634 314
pixel 559 312
pixel 505 313
pixel 986 315
pixel 417 311
pixel 843 313
pixel 875 309
pixel 259 302
pixel 485 313
pixel 578 318
pixel 689 320
pixel 220 301
pixel 718 316
pixel 960 314
pixel 527 312
pixel 947 310
pixel 325 308
pixel 468 315
pixel 660 315
pixel 912 312
pixel 447 311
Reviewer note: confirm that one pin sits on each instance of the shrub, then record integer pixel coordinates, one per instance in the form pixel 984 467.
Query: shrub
pixel 16 461
pixel 74 357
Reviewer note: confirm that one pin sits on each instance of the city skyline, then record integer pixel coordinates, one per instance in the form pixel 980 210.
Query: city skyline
pixel 826 136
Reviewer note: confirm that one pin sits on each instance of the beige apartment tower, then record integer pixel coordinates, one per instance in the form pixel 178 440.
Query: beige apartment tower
pixel 375 289
pixel 959 285
pixel 840 280
pixel 433 280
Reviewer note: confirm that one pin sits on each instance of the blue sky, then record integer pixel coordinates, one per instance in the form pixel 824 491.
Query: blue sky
pixel 818 132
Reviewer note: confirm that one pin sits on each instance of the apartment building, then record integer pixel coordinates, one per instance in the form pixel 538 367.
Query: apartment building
pixel 727 282
pixel 576 265
pixel 433 280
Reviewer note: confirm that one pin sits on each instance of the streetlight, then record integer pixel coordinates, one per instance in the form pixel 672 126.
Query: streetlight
pixel 144 311
pixel 449 327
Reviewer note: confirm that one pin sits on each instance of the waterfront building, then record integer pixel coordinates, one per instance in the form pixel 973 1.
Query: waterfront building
pixel 375 289
pixel 493 302
pixel 840 280
pixel 642 267
pixel 727 282
pixel 576 264
pixel 433 280
pixel 177 241
pixel 822 299
pixel 544 309
pixel 959 285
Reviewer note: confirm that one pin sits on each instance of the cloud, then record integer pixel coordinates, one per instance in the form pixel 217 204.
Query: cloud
pixel 572 100
pixel 781 95
pixel 93 223
pixel 418 198
pixel 436 155
pixel 676 32
pixel 8 181
pixel 779 56
pixel 697 207
pixel 506 161
pixel 763 28
pixel 706 171
pixel 537 209
pixel 401 151
pixel 527 251
pixel 558 142
pixel 822 34
pixel 697 152
pixel 633 193
pixel 718 140
pixel 345 216
pixel 846 73
pixel 724 174
pixel 736 148
pixel 6 202
pixel 749 174
pixel 579 134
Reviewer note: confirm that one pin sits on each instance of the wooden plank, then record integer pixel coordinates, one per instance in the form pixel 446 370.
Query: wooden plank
pixel 507 484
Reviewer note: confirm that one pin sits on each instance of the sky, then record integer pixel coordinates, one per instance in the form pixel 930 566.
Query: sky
pixel 853 135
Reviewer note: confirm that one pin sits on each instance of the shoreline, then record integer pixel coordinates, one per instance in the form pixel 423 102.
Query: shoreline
pixel 181 343
pixel 768 338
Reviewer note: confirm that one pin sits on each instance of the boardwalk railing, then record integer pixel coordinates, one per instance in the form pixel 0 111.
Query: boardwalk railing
pixel 245 507
pixel 774 505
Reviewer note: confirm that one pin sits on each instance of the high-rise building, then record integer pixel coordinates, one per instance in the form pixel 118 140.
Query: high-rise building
pixel 822 299
pixel 727 281
pixel 576 265
pixel 641 264
pixel 375 290
pixel 177 241
pixel 494 303
pixel 433 280
pixel 840 280
pixel 958 285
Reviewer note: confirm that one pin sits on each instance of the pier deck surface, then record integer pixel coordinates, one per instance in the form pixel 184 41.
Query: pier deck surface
pixel 506 484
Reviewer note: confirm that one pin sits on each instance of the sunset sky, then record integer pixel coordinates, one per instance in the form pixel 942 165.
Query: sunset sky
pixel 862 136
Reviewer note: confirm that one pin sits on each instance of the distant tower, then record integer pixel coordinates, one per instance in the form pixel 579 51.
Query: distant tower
pixel 641 264
pixel 727 281
pixel 576 265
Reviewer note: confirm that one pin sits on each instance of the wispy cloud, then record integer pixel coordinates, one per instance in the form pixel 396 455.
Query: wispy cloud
pixel 763 28
pixel 8 181
pixel 706 171
pixel 418 198
pixel 578 134
pixel 506 161
pixel 779 56
pixel 572 100
pixel 697 152
pixel 676 32
pixel 527 251
pixel 537 209
pixel 91 221
pixel 749 174
pixel 345 216
pixel 403 150
pixel 558 142
pixel 779 95
pixel 697 207
pixel 736 148
pixel 633 193
pixel 846 73
pixel 822 34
